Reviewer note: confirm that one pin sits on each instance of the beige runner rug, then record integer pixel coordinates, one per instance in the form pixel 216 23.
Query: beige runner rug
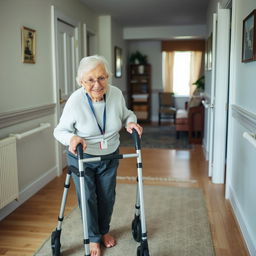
pixel 176 218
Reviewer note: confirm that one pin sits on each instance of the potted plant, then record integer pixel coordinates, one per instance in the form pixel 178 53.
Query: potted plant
pixel 139 59
pixel 199 83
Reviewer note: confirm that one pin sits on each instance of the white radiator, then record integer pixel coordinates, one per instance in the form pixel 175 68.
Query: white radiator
pixel 9 188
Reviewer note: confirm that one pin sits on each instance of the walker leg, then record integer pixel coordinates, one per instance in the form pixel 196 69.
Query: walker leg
pixel 86 240
pixel 136 223
pixel 55 237
pixel 141 223
pixel 143 248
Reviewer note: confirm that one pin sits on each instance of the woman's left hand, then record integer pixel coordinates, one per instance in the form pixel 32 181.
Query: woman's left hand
pixel 135 126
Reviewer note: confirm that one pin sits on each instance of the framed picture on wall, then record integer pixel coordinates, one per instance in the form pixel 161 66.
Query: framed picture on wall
pixel 249 37
pixel 28 45
pixel 118 62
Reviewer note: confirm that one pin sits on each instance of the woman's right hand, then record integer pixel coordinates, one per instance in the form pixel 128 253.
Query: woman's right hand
pixel 75 140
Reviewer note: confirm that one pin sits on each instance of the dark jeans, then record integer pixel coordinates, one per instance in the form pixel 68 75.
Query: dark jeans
pixel 100 189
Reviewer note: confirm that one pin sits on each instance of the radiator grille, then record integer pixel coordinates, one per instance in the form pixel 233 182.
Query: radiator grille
pixel 9 188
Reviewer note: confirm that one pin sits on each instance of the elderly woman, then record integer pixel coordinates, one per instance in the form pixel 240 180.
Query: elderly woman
pixel 93 116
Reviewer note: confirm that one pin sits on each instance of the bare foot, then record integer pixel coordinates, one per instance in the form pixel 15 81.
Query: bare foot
pixel 108 240
pixel 95 249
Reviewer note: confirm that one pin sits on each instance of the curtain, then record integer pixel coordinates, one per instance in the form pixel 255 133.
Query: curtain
pixel 168 61
pixel 196 69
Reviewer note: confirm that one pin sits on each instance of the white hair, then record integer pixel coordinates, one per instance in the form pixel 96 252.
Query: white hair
pixel 88 63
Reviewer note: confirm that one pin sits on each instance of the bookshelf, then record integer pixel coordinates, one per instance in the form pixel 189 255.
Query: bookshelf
pixel 139 88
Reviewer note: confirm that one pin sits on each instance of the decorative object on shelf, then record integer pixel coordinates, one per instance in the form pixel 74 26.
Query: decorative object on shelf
pixel 249 37
pixel 28 45
pixel 118 62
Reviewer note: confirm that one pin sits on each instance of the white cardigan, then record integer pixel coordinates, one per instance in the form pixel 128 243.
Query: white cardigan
pixel 78 119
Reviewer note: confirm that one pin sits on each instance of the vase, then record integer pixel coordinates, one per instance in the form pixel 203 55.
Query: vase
pixel 141 69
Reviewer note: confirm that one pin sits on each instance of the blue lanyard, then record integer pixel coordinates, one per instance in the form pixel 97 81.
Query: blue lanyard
pixel 104 113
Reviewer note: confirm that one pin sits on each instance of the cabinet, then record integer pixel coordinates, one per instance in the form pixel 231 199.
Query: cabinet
pixel 139 89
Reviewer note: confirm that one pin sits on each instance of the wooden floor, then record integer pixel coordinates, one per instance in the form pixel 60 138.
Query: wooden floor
pixel 23 232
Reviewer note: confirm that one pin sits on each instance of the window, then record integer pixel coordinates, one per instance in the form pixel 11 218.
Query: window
pixel 181 73
pixel 180 70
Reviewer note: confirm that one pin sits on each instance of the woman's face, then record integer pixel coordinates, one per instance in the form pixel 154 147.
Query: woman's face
pixel 95 82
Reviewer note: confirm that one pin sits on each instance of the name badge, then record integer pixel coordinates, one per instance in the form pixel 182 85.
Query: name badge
pixel 103 144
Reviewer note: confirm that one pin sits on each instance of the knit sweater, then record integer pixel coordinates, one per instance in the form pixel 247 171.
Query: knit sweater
pixel 78 119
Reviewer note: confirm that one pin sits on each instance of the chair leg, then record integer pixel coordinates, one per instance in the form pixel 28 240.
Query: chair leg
pixel 159 119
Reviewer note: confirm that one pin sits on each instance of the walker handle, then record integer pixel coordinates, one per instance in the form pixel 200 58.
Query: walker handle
pixel 79 150
pixel 136 139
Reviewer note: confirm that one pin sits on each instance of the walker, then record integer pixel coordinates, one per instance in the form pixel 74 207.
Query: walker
pixel 138 224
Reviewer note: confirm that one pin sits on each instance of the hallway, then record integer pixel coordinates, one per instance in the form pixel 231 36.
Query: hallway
pixel 22 232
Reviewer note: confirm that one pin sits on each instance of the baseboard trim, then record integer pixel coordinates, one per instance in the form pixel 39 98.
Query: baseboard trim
pixel 237 209
pixel 28 192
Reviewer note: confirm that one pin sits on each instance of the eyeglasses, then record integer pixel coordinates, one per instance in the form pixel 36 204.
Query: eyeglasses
pixel 92 82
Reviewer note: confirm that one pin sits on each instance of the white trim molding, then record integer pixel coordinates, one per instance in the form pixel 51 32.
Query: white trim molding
pixel 244 117
pixel 19 116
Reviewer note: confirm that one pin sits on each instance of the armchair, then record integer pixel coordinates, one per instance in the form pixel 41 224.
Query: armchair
pixel 191 120
pixel 167 108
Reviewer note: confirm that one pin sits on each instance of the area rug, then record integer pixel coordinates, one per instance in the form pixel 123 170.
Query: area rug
pixel 157 137
pixel 177 224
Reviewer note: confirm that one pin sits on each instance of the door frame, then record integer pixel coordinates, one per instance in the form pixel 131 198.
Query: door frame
pixel 219 98
pixel 211 107
pixel 55 16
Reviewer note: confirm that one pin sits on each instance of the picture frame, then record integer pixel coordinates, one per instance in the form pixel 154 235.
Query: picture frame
pixel 249 38
pixel 118 62
pixel 28 45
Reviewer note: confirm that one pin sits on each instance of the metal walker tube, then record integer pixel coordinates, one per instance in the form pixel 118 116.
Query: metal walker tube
pixel 141 196
pixel 63 201
pixel 83 200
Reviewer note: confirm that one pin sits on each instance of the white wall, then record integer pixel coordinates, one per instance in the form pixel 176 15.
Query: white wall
pixel 105 42
pixel 117 40
pixel 165 32
pixel 30 86
pixel 241 175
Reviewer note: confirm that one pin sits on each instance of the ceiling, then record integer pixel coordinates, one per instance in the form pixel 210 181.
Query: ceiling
pixel 140 13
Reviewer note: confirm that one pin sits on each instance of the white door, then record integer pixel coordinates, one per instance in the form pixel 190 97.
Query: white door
pixel 219 102
pixel 66 49
pixel 66 68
